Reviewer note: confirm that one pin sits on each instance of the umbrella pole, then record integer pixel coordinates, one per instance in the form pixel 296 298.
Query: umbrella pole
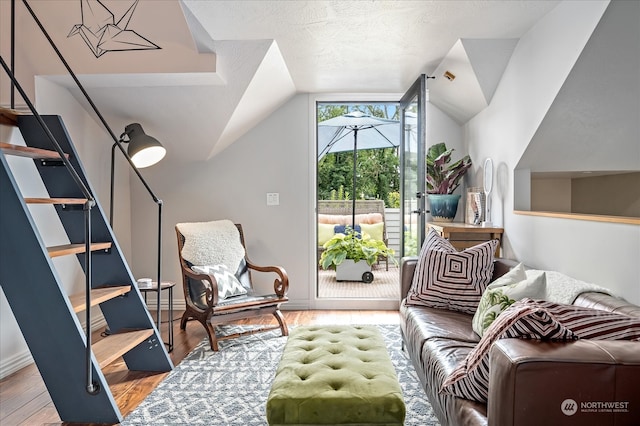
pixel 355 161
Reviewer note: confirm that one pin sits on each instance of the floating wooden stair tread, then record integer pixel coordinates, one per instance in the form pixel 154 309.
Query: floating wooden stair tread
pixel 29 152
pixel 66 249
pixel 55 200
pixel 114 346
pixel 9 116
pixel 98 295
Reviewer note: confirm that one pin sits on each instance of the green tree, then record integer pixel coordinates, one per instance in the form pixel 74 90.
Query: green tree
pixel 376 171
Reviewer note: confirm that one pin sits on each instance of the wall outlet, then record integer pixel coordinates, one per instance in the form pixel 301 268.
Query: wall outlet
pixel 273 198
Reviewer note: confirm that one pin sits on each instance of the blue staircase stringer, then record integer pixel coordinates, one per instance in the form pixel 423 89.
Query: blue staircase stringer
pixel 37 297
pixel 110 267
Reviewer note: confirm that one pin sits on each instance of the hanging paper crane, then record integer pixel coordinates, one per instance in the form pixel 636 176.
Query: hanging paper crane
pixel 102 34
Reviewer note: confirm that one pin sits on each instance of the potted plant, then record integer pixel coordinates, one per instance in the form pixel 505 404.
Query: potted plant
pixel 442 179
pixel 352 254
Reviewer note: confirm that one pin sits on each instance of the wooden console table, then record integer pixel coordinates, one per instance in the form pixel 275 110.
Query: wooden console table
pixel 464 235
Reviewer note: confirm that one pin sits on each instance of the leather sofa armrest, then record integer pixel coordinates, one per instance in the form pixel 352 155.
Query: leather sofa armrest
pixel 407 268
pixel 584 382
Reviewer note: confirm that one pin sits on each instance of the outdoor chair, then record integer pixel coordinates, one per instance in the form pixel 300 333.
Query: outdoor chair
pixel 340 212
pixel 216 276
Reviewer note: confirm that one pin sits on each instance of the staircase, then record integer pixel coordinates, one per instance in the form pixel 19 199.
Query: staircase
pixel 69 364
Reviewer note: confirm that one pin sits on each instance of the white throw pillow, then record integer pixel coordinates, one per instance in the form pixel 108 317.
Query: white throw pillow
pixel 212 243
pixel 503 292
pixel 228 284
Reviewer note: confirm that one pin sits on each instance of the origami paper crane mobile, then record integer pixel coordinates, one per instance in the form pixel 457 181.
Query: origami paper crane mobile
pixel 102 34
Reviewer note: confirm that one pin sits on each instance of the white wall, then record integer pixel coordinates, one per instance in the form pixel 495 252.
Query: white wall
pixel 442 128
pixel 273 157
pixel 602 253
pixel 551 195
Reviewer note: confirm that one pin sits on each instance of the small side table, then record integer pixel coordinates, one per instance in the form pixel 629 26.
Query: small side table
pixel 166 285
pixel 464 235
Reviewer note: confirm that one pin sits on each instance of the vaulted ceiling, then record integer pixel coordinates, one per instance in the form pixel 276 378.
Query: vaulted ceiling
pixel 223 66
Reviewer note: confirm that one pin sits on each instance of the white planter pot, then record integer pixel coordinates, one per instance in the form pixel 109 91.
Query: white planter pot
pixel 348 270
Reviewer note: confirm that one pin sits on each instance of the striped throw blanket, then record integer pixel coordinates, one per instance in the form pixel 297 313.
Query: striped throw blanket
pixel 536 319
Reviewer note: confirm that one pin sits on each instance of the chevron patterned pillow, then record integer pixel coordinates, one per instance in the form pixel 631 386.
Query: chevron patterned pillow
pixel 228 284
pixel 448 279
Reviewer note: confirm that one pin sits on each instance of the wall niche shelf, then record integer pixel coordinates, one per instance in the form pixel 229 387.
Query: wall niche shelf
pixel 579 216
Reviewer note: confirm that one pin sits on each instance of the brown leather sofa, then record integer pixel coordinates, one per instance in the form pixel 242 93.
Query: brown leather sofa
pixel 585 382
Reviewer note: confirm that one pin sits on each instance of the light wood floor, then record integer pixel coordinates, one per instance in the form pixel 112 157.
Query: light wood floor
pixel 24 399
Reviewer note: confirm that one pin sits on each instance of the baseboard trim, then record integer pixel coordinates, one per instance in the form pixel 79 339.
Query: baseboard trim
pixel 15 363
pixel 295 306
pixel 179 305
pixel 18 361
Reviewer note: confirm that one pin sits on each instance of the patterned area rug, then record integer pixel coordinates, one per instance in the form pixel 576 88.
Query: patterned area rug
pixel 231 387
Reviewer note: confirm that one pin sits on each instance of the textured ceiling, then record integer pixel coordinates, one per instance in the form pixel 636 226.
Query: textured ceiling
pixel 365 46
pixel 226 65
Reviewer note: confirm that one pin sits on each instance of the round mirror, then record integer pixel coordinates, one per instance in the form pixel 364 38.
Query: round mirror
pixel 488 186
pixel 488 175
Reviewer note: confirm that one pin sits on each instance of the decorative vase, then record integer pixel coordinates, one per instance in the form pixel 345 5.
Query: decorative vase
pixel 443 207
pixel 349 270
pixel 475 206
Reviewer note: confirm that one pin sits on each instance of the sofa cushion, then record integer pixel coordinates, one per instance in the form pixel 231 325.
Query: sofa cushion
pixel 448 279
pixel 347 219
pixel 607 303
pixel 534 319
pixel 438 358
pixel 503 292
pixel 421 323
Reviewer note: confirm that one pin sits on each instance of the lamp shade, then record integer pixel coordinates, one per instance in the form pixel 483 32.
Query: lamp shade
pixel 144 150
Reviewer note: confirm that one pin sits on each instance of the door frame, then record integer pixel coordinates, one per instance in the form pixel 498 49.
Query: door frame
pixel 335 303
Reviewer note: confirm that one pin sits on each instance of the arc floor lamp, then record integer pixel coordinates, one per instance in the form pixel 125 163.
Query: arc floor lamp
pixel 143 151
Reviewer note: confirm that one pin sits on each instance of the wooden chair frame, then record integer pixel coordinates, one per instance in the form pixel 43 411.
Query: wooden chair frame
pixel 216 314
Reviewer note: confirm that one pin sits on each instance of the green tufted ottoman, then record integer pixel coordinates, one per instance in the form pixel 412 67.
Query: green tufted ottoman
pixel 335 375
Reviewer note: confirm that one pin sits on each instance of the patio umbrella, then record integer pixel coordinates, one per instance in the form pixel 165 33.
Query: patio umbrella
pixel 353 131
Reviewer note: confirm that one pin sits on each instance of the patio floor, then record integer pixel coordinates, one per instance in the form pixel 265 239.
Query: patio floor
pixel 385 285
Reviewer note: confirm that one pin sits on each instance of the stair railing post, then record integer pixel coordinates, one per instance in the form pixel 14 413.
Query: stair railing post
pixel 92 387
pixel 113 171
pixel 13 50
